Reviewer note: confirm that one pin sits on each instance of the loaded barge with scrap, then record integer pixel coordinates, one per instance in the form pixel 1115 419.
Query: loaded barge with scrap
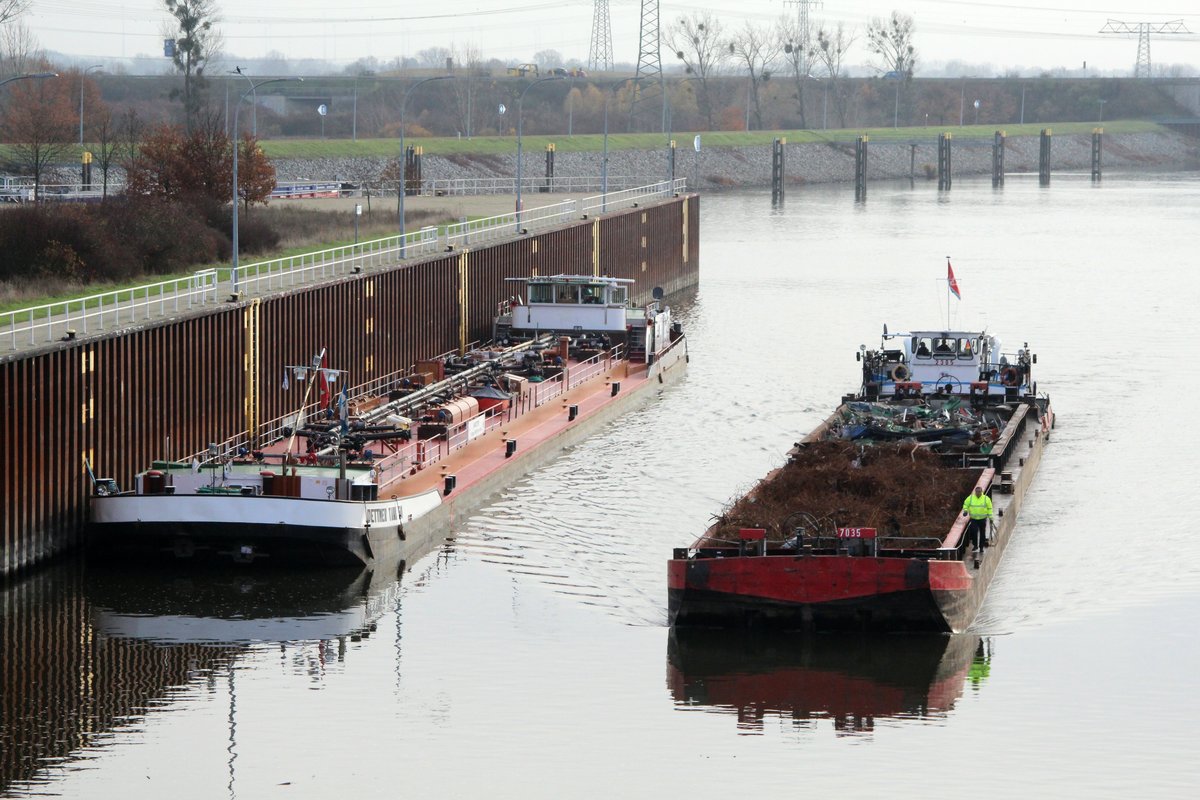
pixel 863 528
pixel 362 476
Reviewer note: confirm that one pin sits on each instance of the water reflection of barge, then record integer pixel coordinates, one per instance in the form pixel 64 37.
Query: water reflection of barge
pixel 852 680
pixel 235 606
pixel 861 529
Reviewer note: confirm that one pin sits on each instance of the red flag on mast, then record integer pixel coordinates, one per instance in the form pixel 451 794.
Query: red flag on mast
pixel 953 284
pixel 323 384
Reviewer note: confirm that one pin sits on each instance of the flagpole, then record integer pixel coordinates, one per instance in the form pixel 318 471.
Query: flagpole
pixel 286 453
pixel 947 292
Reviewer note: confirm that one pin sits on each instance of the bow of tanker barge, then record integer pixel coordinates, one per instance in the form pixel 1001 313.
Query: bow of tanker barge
pixel 863 528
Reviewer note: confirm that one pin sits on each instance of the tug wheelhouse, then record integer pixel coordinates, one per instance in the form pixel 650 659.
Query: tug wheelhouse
pixel 945 362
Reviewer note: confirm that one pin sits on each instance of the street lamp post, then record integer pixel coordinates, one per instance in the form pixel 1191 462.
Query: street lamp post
pixel 403 161
pixel 1101 118
pixel 604 162
pixel 520 108
pixel 82 79
pixel 251 91
pixel 37 75
pixel 237 109
pixel 671 122
pixel 825 99
pixel 976 104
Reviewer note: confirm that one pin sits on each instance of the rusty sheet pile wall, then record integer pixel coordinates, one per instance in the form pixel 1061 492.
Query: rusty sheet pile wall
pixel 167 390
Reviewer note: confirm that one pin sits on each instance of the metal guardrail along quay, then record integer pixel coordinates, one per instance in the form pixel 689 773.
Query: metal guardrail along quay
pixel 38 325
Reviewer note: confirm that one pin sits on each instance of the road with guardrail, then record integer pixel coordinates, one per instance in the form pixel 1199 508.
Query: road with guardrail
pixel 36 326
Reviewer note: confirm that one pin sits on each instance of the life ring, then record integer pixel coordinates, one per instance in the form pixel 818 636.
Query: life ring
pixel 901 373
pixel 1010 376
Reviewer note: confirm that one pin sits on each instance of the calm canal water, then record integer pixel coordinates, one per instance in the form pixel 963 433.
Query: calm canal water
pixel 529 656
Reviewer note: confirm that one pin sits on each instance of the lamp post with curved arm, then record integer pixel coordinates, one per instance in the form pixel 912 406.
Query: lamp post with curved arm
pixel 604 161
pixel 404 162
pixel 82 80
pixel 520 107
pixel 37 75
pixel 236 137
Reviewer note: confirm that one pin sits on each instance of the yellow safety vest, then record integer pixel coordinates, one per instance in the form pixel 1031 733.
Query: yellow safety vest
pixel 978 507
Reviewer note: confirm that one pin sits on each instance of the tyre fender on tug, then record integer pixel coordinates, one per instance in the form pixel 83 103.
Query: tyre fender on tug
pixel 900 372
pixel 1010 376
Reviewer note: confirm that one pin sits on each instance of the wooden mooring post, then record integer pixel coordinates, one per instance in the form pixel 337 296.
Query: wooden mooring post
pixel 412 170
pixel 1044 158
pixel 549 168
pixel 1097 151
pixel 945 173
pixel 860 168
pixel 998 160
pixel 777 171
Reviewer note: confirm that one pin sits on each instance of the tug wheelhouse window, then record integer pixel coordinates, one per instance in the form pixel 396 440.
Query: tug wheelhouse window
pixel 541 293
pixel 566 293
pixel 593 293
pixel 619 297
pixel 924 347
pixel 966 349
pixel 944 346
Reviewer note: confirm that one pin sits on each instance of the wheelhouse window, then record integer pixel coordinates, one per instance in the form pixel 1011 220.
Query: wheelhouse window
pixel 566 294
pixel 541 293
pixel 593 293
pixel 966 349
pixel 923 347
pixel 620 296
pixel 944 346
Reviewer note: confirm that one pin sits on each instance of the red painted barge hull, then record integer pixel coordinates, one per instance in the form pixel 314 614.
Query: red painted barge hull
pixel 822 593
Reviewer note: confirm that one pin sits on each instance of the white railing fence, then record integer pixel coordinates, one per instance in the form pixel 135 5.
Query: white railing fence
pixel 65 319
pixel 68 318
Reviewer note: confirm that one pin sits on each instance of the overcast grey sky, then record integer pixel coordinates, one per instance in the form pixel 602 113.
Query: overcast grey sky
pixel 1064 33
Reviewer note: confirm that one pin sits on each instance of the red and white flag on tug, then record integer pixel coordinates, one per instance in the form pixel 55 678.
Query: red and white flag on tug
pixel 953 284
pixel 324 386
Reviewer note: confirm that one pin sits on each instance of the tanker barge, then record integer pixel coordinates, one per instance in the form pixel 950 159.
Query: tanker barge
pixel 365 476
pixel 863 527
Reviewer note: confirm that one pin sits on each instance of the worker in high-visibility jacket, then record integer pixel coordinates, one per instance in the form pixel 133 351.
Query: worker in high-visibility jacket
pixel 978 506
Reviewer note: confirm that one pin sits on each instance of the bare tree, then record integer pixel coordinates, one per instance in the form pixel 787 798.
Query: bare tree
pixel 756 48
pixel 468 66
pixel 197 41
pixel 698 42
pixel 365 172
pixel 892 41
pixel 797 51
pixel 434 57
pixel 108 141
pixel 18 48
pixel 832 45
pixel 11 9
pixel 130 130
pixel 547 60
pixel 40 122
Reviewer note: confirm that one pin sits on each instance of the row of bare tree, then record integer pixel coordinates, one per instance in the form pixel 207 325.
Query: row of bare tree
pixel 708 51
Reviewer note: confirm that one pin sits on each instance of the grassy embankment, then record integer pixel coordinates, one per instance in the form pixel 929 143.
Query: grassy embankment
pixel 506 145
